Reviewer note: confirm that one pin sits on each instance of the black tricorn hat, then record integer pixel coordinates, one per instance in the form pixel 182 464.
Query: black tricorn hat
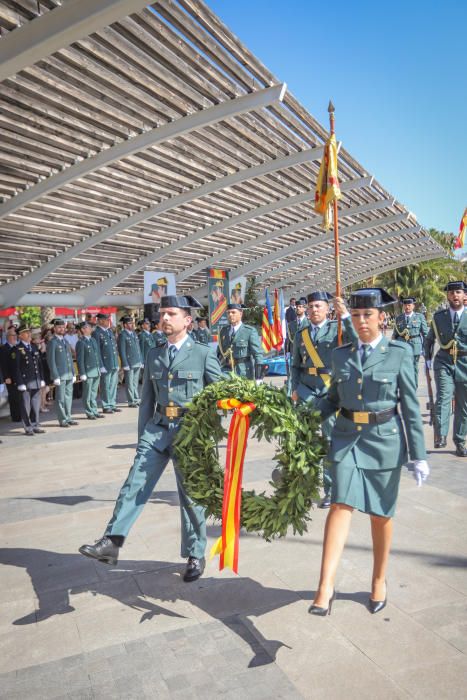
pixel 101 315
pixel 302 301
pixel 23 328
pixel 233 307
pixel 59 322
pixel 83 324
pixel 371 298
pixel 126 319
pixel 319 295
pixel 453 286
pixel 408 300
pixel 179 302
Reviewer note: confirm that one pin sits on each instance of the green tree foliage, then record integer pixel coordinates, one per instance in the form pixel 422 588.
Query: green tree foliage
pixel 424 280
pixel 30 315
pixel 253 313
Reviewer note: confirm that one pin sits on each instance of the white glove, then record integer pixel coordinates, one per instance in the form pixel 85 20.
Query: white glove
pixel 142 366
pixel 21 387
pixel 42 383
pixel 74 379
pixel 428 364
pixel 258 382
pixel 103 370
pixel 83 377
pixel 126 369
pixel 57 381
pixel 421 471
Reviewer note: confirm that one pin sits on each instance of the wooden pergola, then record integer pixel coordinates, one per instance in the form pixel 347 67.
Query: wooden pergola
pixel 142 137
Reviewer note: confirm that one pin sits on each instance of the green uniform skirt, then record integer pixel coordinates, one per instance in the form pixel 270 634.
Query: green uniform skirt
pixel 372 491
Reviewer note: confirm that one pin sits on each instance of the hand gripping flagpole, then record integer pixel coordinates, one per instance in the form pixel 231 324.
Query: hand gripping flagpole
pixel 337 261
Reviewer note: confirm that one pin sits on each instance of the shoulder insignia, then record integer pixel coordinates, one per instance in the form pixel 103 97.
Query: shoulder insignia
pixel 399 344
pixel 343 347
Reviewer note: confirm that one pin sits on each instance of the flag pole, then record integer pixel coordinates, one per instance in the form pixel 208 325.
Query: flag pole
pixel 337 261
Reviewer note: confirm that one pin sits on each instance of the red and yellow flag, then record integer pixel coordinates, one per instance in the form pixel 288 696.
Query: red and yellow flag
pixel 277 339
pixel 327 186
pixel 228 544
pixel 460 240
pixel 267 325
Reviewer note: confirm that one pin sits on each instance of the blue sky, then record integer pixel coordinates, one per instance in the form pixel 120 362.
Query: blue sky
pixel 397 74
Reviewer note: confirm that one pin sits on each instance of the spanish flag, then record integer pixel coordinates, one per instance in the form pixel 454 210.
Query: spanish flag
pixel 460 240
pixel 327 186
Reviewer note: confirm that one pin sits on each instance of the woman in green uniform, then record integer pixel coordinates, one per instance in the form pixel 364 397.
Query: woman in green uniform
pixel 368 444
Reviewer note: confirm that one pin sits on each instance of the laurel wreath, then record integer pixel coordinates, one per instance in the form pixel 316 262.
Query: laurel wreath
pixel 299 455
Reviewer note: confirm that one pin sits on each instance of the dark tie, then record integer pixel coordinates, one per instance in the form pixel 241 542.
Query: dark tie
pixel 314 333
pixel 407 319
pixel 172 353
pixel 456 321
pixel 232 333
pixel 366 349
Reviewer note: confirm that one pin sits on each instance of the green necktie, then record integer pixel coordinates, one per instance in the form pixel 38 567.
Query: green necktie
pixel 172 353
pixel 366 349
pixel 456 321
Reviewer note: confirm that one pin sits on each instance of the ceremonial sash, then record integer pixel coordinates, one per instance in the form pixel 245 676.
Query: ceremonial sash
pixel 313 353
pixel 228 544
pixel 405 333
pixel 450 345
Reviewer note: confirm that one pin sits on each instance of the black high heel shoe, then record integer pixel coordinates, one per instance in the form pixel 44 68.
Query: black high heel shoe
pixel 317 610
pixel 375 606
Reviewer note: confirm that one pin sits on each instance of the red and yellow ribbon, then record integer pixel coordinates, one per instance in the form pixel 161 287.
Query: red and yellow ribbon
pixel 228 544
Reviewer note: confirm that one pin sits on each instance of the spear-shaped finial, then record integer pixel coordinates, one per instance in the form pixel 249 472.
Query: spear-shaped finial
pixel 331 107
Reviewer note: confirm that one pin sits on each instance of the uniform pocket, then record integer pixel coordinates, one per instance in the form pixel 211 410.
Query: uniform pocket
pixel 385 383
pixel 191 379
pixel 240 349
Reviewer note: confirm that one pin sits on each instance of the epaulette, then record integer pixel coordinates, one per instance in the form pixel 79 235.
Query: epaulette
pixel 247 325
pixel 341 347
pixel 399 344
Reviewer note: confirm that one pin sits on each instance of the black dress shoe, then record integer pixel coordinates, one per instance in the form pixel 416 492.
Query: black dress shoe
pixel 107 410
pixel 326 502
pixel 38 430
pixel 441 442
pixel 322 612
pixel 103 550
pixel 91 417
pixel 461 450
pixel 73 422
pixel 99 415
pixel 194 569
pixel 29 433
pixel 64 425
pixel 116 410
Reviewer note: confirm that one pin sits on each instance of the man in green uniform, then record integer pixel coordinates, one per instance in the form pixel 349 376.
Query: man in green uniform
pixel 157 332
pixel 412 328
pixel 239 348
pixel 173 375
pixel 89 361
pixel 311 360
pixel 300 321
pixel 449 329
pixel 202 332
pixel 109 370
pixel 62 373
pixel 146 339
pixel 130 357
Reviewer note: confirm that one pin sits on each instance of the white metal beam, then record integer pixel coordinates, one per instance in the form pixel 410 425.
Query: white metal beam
pixel 110 282
pixel 202 118
pixel 330 251
pixel 9 293
pixel 60 27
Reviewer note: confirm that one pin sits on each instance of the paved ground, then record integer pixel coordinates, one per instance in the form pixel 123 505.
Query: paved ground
pixel 73 628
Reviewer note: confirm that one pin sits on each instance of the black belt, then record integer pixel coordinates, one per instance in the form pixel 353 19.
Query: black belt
pixel 314 371
pixel 171 411
pixel 368 417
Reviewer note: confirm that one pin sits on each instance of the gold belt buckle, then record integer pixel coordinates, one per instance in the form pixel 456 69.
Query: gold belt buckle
pixel 361 417
pixel 171 411
pixel 313 371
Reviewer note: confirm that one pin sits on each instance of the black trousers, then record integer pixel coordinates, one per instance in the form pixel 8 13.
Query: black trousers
pixel 14 399
pixel 30 408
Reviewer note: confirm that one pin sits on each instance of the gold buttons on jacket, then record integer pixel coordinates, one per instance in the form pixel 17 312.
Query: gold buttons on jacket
pixel 171 376
pixel 359 380
pixel 359 427
pixel 170 388
pixel 359 397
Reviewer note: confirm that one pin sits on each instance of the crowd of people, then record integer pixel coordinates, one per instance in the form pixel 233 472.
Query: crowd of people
pixel 65 360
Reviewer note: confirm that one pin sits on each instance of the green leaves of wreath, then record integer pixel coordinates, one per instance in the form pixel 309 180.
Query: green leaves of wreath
pixel 299 454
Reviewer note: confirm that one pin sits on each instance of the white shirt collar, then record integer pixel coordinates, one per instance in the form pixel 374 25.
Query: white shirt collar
pixel 459 313
pixel 373 343
pixel 236 327
pixel 179 343
pixel 410 314
pixel 319 325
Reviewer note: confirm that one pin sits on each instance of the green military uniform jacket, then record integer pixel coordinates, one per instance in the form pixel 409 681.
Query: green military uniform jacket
pixel 195 365
pixel 448 340
pixel 146 342
pixel 108 347
pixel 386 377
pixel 203 335
pixel 307 380
pixel 244 349
pixel 414 332
pixel 60 359
pixel 128 347
pixel 88 357
pixel 292 328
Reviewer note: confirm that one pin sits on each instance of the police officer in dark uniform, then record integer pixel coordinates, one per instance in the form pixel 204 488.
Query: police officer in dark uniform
pixel 9 372
pixel 202 333
pixel 300 321
pixel 239 348
pixel 29 380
